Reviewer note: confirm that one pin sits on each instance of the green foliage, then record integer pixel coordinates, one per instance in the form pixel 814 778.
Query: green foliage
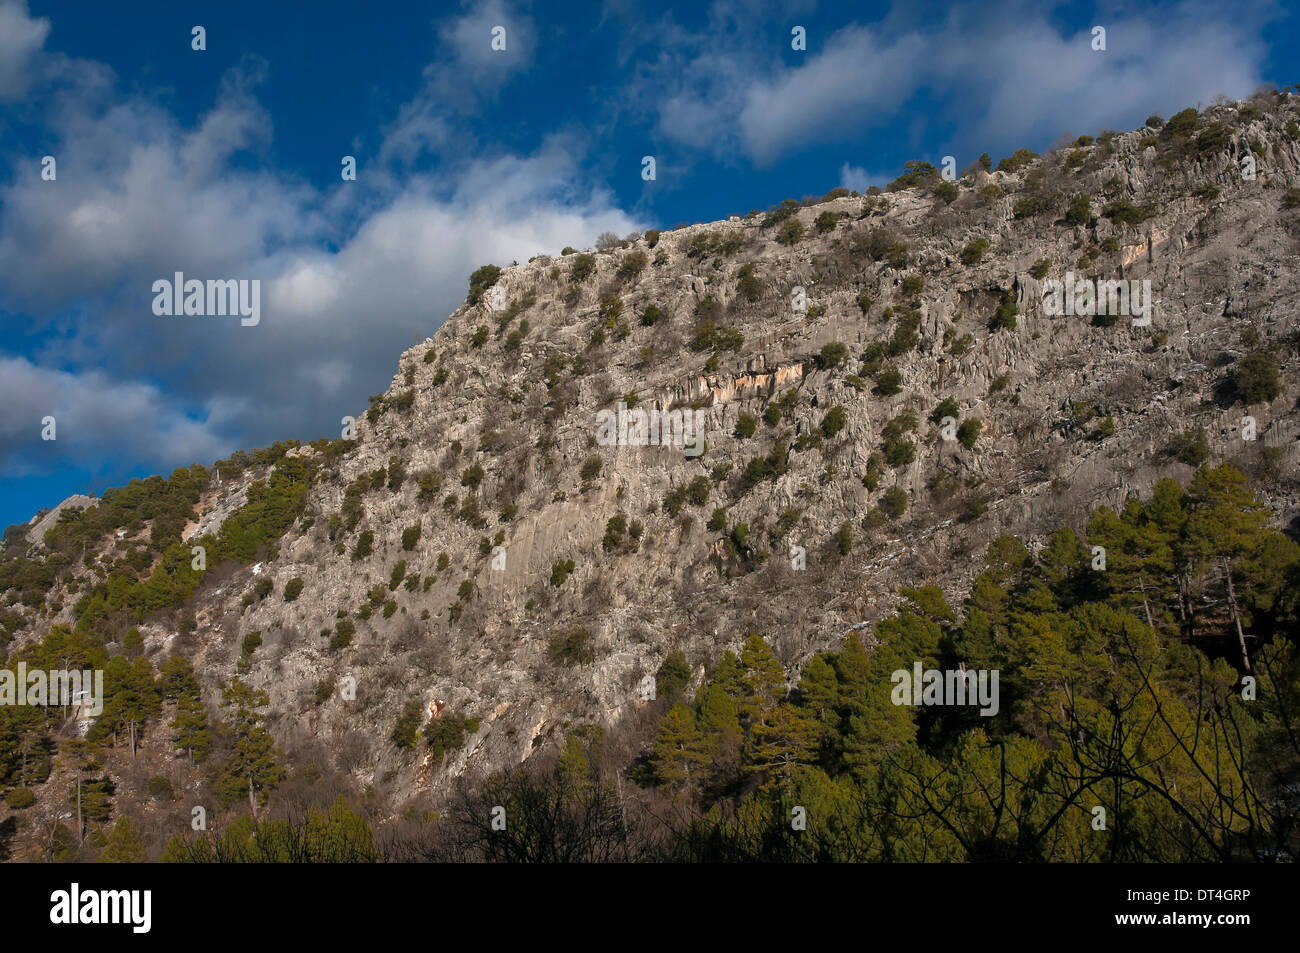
pixel 746 426
pixel 889 381
pixel 480 281
pixel 254 766
pixel 673 676
pixel 1191 446
pixel 584 266
pixel 1017 160
pixel 832 355
pixel 560 572
pixel 973 252
pixel 947 407
pixel 407 729
pixel 19 798
pixel 1256 378
pixel 1123 212
pixel 447 732
pixel 572 648
pixel 364 546
pixel 1005 316
pixel 411 536
pixel 836 419
pixel 790 232
pixel 344 629
pixel 969 432
pixel 1080 210
pixel 718 520
pixel 915 172
pixel 893 503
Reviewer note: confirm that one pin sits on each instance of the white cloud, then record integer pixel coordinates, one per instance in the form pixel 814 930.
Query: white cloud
pixel 859 180
pixel 95 417
pixel 21 38
pixel 994 77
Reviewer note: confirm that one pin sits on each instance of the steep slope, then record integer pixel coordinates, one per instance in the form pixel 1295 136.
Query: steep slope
pixel 817 355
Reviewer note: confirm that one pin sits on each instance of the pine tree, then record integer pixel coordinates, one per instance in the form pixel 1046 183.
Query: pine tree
pixel 254 767
pixel 124 844
pixel 190 732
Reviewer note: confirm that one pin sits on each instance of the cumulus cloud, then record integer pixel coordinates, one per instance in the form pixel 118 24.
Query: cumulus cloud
pixel 94 417
pixel 1000 75
pixel 21 37
pixel 859 180
pixel 347 283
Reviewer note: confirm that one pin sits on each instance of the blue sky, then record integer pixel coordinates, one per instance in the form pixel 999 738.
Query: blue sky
pixel 224 163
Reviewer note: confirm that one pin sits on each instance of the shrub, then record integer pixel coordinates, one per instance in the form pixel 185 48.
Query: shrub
pixel 1181 123
pixel 652 237
pixel 262 588
pixel 746 425
pixel 448 733
pixel 1017 160
pixel 560 572
pixel 615 530
pixel 832 355
pixel 250 644
pixel 293 589
pixel 894 502
pixel 947 192
pixel 1255 378
pixel 747 283
pixel 1191 446
pixel 836 419
pixel 974 251
pixel 826 221
pixel 673 676
pixel 471 476
pixel 480 281
pixel 397 575
pixel 652 314
pixel 364 546
pixel 1123 212
pixel 844 538
pixel 969 432
pixel 948 407
pixel 790 232
pixel 572 648
pixel 717 520
pixel 632 265
pixel 889 381
pixel 584 266
pixel 407 729
pixel 343 632
pixel 915 172
pixel 1040 268
pixel 1080 211
pixel 591 468
pixel 411 536
pixel 1005 316
pixel 479 337
pixel 19 798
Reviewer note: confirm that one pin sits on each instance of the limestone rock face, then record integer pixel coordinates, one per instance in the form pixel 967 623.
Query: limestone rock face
pixel 1076 413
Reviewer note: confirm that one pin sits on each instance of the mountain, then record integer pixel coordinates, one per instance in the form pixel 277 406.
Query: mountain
pixel 472 575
